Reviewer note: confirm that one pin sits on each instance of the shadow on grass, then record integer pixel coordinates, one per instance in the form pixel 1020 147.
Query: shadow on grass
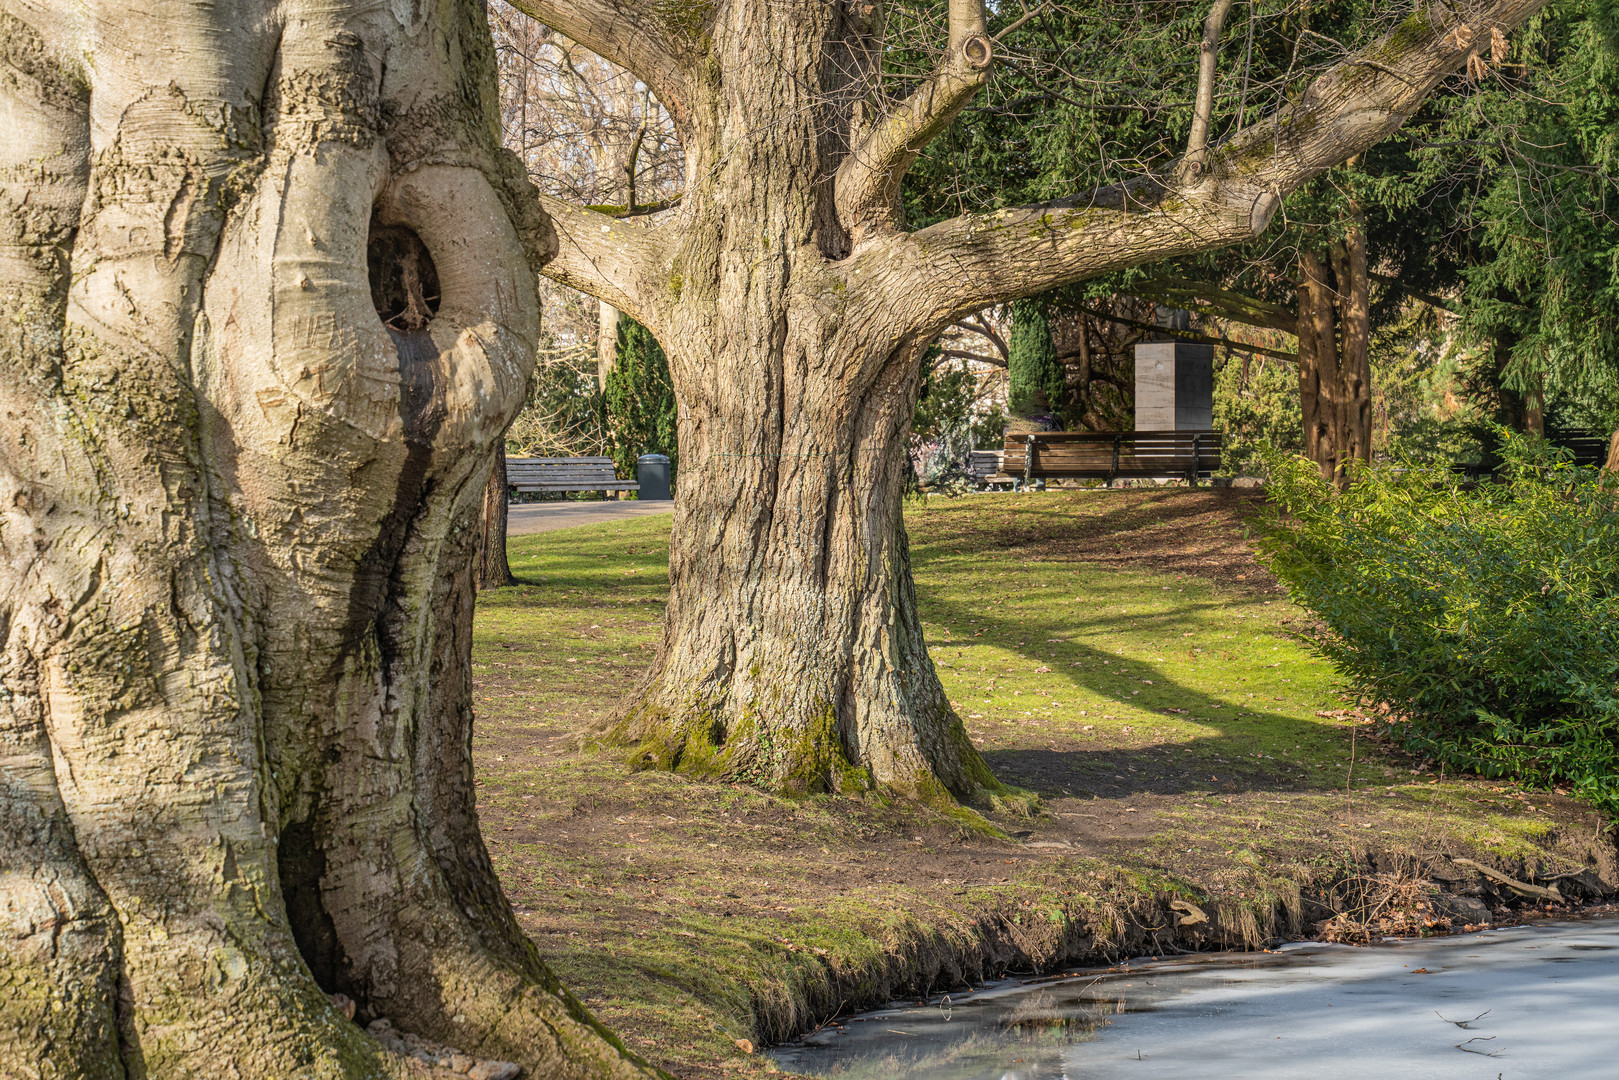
pixel 1242 757
pixel 1200 533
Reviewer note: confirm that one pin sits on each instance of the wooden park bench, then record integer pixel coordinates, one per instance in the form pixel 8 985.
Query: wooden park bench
pixel 985 467
pixel 1111 455
pixel 564 474
pixel 1590 448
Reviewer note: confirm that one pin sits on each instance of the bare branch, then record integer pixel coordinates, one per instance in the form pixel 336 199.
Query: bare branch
pixel 629 170
pixel 969 262
pixel 962 354
pixel 1007 31
pixel 630 35
pixel 1208 52
pixel 868 181
pixel 978 326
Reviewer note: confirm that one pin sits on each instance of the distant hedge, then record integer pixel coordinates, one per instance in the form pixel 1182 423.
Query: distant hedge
pixel 1487 616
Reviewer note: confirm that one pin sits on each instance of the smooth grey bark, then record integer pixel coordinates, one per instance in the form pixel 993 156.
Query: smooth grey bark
pixel 606 343
pixel 267 302
pixel 794 306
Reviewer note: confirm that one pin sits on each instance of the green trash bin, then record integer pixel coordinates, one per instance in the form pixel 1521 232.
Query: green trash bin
pixel 652 473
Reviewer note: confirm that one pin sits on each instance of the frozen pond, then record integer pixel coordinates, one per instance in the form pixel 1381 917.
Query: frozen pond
pixel 1520 1003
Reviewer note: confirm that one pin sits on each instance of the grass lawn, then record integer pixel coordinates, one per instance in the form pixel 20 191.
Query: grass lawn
pixel 1120 653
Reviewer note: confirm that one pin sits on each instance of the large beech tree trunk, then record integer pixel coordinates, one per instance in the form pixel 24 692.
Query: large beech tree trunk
pixel 237 514
pixel 792 653
pixel 1335 375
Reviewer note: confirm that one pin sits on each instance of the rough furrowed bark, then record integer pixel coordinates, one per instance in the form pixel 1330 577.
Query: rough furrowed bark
pixel 792 652
pixel 268 305
pixel 493 570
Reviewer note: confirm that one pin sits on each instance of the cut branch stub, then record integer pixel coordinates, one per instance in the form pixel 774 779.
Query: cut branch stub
pixel 978 51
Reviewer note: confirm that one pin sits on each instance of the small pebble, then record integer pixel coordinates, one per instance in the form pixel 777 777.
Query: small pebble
pixel 494 1070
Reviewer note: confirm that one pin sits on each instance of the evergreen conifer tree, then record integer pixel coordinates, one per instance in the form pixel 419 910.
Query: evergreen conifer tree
pixel 640 400
pixel 1036 380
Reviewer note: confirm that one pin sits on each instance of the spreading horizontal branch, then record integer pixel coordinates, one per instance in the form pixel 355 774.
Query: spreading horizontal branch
pixel 640 209
pixel 1193 336
pixel 969 262
pixel 1226 303
pixel 631 35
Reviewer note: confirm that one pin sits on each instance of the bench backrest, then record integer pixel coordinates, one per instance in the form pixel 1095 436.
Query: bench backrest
pixel 558 470
pixel 1589 447
pixel 1093 453
pixel 984 463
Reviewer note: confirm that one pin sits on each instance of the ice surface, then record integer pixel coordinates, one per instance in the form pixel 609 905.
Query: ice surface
pixel 1536 1002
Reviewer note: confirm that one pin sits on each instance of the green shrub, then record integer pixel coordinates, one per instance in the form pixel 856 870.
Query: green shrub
pixel 1487 617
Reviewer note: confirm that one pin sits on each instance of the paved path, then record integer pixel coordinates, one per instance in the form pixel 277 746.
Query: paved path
pixel 527 518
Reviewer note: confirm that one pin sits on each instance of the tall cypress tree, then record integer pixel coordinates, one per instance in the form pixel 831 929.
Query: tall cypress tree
pixel 641 413
pixel 1037 382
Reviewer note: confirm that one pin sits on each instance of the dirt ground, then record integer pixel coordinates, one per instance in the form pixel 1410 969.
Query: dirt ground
pixel 1119 653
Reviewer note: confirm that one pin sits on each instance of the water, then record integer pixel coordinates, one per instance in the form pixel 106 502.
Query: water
pixel 1519 1003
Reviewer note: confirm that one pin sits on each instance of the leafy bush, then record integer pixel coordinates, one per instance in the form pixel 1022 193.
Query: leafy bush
pixel 1487 617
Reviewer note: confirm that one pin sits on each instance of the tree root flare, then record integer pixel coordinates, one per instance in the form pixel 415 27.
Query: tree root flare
pixel 426 1058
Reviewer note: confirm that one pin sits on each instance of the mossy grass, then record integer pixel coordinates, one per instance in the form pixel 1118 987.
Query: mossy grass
pixel 1117 655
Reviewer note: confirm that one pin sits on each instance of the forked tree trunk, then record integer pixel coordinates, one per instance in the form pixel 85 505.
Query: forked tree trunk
pixel 491 569
pixel 237 515
pixel 1335 379
pixel 792 652
pixel 794 305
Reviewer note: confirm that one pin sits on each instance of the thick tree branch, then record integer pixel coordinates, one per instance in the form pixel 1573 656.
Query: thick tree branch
pixel 969 262
pixel 868 180
pixel 1208 52
pixel 1226 303
pixel 1192 336
pixel 641 209
pixel 631 35
pixel 606 257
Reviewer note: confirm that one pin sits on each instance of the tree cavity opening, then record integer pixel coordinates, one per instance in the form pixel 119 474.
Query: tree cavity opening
pixel 302 864
pixel 404 281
